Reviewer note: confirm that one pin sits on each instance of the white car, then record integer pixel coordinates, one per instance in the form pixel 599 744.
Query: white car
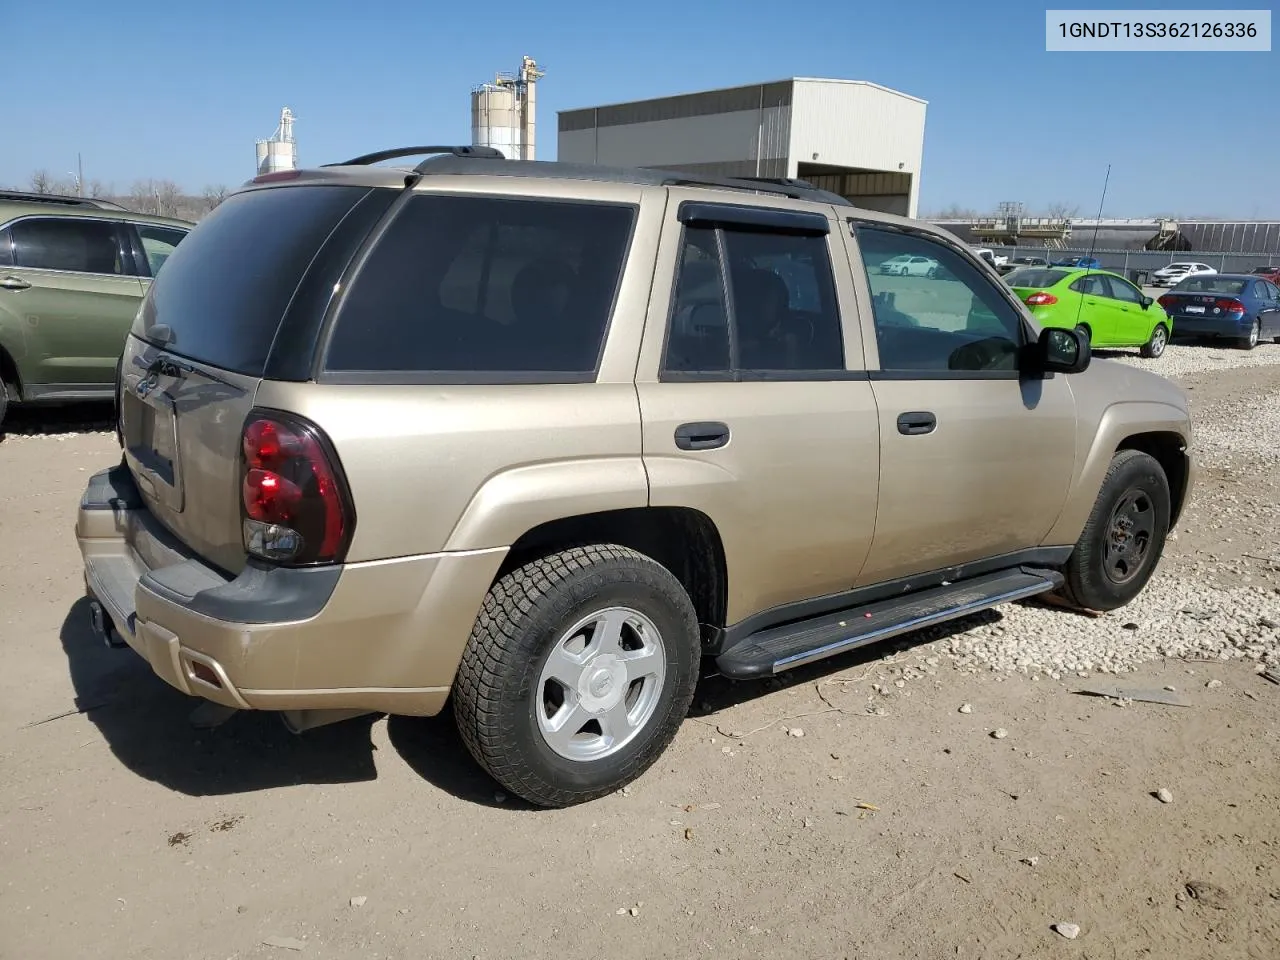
pixel 1176 272
pixel 997 260
pixel 909 265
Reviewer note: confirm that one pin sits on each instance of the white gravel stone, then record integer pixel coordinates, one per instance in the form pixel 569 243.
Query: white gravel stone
pixel 1068 930
pixel 966 708
pixel 1164 795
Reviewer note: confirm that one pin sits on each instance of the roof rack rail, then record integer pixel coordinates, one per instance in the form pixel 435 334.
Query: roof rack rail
pixel 782 186
pixel 488 153
pixel 28 197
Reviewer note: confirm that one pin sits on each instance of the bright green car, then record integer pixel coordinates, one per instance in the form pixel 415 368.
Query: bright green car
pixel 1106 306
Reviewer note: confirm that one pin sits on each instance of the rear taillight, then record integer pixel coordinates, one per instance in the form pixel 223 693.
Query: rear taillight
pixel 294 503
pixel 1041 298
pixel 1229 305
pixel 1167 301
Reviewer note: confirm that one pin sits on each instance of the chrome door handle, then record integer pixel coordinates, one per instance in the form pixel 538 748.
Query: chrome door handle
pixel 14 283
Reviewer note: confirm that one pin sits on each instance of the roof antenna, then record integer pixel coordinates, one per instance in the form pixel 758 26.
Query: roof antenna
pixel 1093 243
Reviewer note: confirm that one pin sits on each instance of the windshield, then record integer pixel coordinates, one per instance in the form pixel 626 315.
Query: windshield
pixel 1212 284
pixel 1034 277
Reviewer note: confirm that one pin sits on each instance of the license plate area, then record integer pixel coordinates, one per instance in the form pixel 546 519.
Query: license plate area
pixel 1190 309
pixel 150 432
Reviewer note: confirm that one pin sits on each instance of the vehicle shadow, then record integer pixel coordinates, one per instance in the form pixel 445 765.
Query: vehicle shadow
pixel 144 722
pixel 86 417
pixel 433 749
pixel 717 693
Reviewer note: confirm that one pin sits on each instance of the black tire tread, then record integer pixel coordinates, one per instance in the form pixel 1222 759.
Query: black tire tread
pixel 1146 347
pixel 1076 590
pixel 496 648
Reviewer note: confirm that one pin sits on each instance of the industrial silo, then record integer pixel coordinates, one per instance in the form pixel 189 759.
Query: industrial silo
pixel 280 152
pixel 495 118
pixel 502 112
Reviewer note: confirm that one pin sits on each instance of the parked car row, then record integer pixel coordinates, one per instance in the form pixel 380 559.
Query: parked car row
pixel 73 272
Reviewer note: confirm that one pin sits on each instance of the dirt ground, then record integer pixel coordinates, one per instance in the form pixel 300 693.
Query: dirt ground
pixel 125 833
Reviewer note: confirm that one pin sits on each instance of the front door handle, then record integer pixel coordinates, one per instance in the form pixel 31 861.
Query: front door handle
pixel 916 422
pixel 702 436
pixel 14 283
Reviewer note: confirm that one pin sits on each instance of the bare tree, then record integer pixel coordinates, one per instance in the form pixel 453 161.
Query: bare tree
pixel 214 195
pixel 168 194
pixel 1062 211
pixel 956 212
pixel 41 182
pixel 96 188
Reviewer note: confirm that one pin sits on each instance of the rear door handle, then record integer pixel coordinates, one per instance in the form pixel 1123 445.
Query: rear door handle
pixel 916 422
pixel 706 435
pixel 14 283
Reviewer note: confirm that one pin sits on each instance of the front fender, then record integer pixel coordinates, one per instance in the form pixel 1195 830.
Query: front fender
pixel 515 501
pixel 1118 422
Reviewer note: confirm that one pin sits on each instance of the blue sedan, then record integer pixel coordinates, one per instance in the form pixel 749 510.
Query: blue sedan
pixel 1079 263
pixel 1241 307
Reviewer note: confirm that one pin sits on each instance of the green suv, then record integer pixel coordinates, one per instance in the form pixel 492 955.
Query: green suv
pixel 73 272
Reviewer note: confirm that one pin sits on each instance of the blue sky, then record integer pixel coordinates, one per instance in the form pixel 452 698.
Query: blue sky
pixel 181 91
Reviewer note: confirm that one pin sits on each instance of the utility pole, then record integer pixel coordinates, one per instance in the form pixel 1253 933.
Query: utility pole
pixel 79 176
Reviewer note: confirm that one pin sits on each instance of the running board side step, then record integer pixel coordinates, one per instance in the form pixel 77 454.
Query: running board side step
pixel 773 650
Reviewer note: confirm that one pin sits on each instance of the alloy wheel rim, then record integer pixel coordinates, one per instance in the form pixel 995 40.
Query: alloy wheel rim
pixel 1253 335
pixel 600 684
pixel 1129 536
pixel 1158 341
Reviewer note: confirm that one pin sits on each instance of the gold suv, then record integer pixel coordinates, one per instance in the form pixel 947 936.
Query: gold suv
pixel 541 439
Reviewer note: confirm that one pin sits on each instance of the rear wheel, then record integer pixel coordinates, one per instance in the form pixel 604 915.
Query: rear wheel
pixel 1084 331
pixel 1159 340
pixel 4 403
pixel 1124 537
pixel 579 671
pixel 1251 341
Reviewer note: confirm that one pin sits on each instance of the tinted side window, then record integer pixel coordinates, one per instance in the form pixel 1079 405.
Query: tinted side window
pixel 6 248
pixel 785 316
pixel 1120 290
pixel 1272 290
pixel 158 243
pixel 949 317
pixel 63 243
pixel 476 284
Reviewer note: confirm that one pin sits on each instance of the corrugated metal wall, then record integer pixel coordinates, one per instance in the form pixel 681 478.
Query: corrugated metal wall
pixel 741 131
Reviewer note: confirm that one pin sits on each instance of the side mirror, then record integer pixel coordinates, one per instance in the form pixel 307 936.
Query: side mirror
pixel 1063 351
pixel 1146 302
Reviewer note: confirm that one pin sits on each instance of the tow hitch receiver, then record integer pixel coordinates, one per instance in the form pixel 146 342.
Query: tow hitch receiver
pixel 103 627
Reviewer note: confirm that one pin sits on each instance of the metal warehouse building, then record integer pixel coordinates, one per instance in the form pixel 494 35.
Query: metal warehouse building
pixel 855 138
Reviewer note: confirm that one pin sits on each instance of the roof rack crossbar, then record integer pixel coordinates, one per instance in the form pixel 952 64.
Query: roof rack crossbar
pixel 31 197
pixel 364 160
pixel 782 186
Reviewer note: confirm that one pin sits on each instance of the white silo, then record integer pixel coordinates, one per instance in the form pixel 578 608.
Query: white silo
pixel 494 119
pixel 280 152
pixel 502 112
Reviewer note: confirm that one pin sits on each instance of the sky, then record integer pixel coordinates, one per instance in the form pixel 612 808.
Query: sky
pixel 181 91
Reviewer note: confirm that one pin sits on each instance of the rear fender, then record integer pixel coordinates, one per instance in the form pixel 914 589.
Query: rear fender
pixel 514 501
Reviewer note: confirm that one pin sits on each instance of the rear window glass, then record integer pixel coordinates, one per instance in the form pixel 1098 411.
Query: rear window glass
pixel 1034 277
pixel 1212 284
pixel 224 289
pixel 518 289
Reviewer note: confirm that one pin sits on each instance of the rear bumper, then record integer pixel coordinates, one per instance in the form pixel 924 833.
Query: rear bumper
pixel 1193 326
pixel 379 636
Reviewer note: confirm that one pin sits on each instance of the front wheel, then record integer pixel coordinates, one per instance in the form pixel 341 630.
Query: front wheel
pixel 1085 332
pixel 1124 537
pixel 578 673
pixel 1251 341
pixel 1159 340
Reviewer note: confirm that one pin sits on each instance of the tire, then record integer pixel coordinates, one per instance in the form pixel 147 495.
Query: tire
pixel 1251 341
pixel 1083 328
pixel 1100 577
pixel 1154 348
pixel 4 403
pixel 507 695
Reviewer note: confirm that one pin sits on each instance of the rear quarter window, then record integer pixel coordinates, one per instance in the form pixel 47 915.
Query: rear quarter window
pixel 225 288
pixel 484 289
